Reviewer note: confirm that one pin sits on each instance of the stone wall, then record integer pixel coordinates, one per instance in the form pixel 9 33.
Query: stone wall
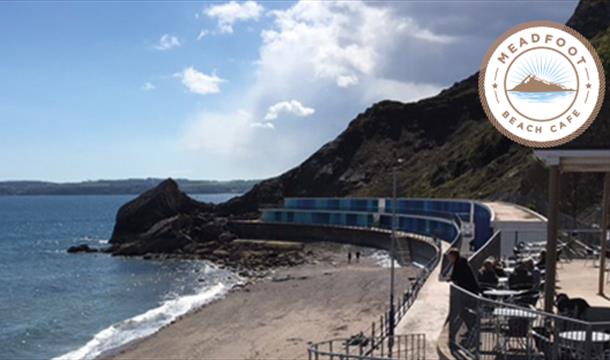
pixel 409 248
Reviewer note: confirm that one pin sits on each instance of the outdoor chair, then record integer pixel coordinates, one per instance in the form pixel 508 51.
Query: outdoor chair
pixel 598 314
pixel 542 340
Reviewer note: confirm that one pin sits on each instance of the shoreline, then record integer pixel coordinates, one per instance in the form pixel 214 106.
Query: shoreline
pixel 272 317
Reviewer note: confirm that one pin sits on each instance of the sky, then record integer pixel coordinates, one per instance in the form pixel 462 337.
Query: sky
pixel 221 90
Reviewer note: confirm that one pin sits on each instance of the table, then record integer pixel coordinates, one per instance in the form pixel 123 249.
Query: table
pixel 597 339
pixel 503 293
pixel 515 313
pixel 581 336
pixel 527 316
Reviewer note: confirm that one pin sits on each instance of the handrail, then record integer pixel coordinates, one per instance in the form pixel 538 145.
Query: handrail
pixel 380 333
pixel 490 323
pixel 409 346
pixel 490 248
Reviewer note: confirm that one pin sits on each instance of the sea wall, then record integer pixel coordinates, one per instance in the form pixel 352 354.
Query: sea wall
pixel 417 249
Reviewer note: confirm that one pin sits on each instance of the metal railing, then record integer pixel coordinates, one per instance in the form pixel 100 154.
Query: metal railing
pixel 407 347
pixel 480 328
pixel 492 248
pixel 375 346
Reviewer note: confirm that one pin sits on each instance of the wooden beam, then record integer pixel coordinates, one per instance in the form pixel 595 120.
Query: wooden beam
pixel 604 232
pixel 551 242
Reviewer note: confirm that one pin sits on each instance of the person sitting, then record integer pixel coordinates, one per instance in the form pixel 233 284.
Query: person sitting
pixel 573 308
pixel 535 273
pixel 499 268
pixel 520 279
pixel 487 275
pixel 541 264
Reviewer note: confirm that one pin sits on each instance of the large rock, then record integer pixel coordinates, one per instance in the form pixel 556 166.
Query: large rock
pixel 164 201
pixel 84 248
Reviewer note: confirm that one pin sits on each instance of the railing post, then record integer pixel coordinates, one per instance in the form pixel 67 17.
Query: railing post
pixel 555 344
pixel 477 335
pixel 330 349
pixel 317 354
pixel 588 342
pixel 373 336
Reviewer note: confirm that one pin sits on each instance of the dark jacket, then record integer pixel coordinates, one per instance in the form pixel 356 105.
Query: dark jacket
pixel 521 279
pixel 488 278
pixel 464 277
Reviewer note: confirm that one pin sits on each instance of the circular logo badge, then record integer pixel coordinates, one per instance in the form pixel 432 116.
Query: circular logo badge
pixel 541 84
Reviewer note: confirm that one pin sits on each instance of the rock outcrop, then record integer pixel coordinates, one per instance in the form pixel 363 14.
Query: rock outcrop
pixel 164 222
pixel 83 248
pixel 162 202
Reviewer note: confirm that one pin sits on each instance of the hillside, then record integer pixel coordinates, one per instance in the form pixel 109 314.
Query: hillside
pixel 114 187
pixel 450 149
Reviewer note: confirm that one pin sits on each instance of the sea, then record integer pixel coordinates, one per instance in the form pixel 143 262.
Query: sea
pixel 55 305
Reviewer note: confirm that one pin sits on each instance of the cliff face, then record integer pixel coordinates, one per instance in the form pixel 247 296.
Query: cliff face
pixel 449 147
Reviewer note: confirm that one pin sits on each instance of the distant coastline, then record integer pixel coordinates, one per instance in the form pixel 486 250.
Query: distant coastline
pixel 121 187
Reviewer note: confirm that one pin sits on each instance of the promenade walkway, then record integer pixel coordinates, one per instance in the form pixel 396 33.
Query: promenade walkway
pixel 510 212
pixel 579 279
pixel 429 312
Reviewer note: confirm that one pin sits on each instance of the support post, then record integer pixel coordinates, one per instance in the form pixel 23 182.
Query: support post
pixel 551 242
pixel 604 231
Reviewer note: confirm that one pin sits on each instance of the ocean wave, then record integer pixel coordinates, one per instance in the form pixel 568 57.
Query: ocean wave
pixel 144 324
pixel 93 240
pixel 383 259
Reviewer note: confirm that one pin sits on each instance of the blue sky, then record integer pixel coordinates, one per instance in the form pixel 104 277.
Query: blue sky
pixel 220 90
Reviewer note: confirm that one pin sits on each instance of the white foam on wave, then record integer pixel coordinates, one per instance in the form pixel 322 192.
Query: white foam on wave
pixel 93 240
pixel 383 259
pixel 144 324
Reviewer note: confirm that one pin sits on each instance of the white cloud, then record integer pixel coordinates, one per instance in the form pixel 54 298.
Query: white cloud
pixel 264 125
pixel 341 41
pixel 229 13
pixel 202 34
pixel 198 82
pixel 148 87
pixel 167 42
pixel 293 107
pixel 337 57
pixel 347 80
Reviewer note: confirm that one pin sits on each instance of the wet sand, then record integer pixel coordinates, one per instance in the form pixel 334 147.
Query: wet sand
pixel 276 318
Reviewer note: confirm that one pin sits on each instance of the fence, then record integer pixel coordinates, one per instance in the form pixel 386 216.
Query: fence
pixel 492 248
pixel 376 346
pixel 407 347
pixel 480 328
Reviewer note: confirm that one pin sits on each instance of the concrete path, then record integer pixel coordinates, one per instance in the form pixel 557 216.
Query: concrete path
pixel 580 279
pixel 511 212
pixel 429 312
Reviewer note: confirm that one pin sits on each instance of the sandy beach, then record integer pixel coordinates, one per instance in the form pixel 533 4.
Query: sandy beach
pixel 277 317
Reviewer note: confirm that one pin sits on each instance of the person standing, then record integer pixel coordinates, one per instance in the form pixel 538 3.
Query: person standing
pixel 357 256
pixel 464 277
pixel 462 274
pixel 349 257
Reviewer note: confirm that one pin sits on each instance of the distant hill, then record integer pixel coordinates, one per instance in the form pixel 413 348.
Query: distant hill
pixel 116 187
pixel 449 148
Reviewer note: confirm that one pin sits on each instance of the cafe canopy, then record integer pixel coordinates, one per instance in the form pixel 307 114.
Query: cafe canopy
pixel 572 161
